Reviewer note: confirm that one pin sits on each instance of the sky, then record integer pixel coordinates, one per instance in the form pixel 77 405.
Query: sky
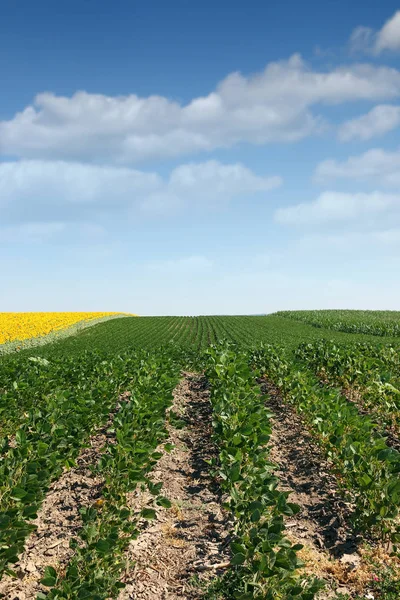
pixel 199 158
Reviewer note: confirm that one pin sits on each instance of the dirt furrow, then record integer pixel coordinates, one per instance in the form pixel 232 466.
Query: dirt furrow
pixel 331 548
pixel 59 519
pixel 187 545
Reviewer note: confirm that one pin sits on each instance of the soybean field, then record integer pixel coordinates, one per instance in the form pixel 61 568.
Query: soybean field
pixel 200 457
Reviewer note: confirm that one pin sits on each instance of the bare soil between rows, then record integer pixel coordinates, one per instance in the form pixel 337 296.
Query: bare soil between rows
pixel 59 519
pixel 177 555
pixel 332 549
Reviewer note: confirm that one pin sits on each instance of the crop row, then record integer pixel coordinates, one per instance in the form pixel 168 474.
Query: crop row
pixel 47 441
pixel 98 563
pixel 366 467
pixel 264 562
pixel 28 383
pixel 381 323
pixel 76 399
pixel 192 334
pixel 369 374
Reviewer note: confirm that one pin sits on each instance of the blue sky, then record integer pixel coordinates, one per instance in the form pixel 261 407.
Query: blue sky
pixel 182 158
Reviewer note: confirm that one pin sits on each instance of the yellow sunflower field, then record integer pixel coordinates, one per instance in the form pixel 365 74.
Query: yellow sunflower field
pixel 22 326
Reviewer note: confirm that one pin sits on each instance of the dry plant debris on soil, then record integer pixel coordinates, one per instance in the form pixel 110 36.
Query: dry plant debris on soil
pixel 177 554
pixel 186 546
pixel 332 550
pixel 59 519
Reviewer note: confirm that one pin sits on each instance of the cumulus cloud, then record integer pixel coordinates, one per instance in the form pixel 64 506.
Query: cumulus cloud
pixel 274 105
pixel 336 207
pixel 388 37
pixel 71 182
pixel 366 39
pixel 379 120
pixel 375 164
pixel 44 191
pixel 217 181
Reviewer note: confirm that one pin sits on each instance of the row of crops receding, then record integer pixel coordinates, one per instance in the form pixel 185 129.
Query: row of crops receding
pixel 382 323
pixel 118 378
pixel 197 333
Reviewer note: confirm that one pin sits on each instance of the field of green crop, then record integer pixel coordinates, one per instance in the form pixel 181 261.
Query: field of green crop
pixel 383 323
pixel 196 334
pixel 94 438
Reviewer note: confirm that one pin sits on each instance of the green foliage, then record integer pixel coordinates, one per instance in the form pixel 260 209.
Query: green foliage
pixel 97 565
pixel 64 402
pixel 264 561
pixel 371 322
pixel 371 371
pixel 190 335
pixel 366 466
pixel 53 398
pixel 62 405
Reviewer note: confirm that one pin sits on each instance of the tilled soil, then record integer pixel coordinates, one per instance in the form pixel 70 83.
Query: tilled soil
pixel 323 523
pixel 188 544
pixel 59 519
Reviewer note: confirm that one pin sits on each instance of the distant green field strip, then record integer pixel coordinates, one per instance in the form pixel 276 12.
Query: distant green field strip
pixel 55 335
pixel 371 322
pixel 196 333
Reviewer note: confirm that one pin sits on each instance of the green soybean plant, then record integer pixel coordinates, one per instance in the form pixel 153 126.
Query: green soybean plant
pixel 367 468
pixel 264 562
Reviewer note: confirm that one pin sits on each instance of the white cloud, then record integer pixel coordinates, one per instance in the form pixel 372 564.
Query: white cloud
pixel 218 181
pixel 58 190
pixel 209 184
pixel 60 181
pixel 379 120
pixel 389 36
pixel 274 105
pixel 365 39
pixel 335 207
pixel 375 164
